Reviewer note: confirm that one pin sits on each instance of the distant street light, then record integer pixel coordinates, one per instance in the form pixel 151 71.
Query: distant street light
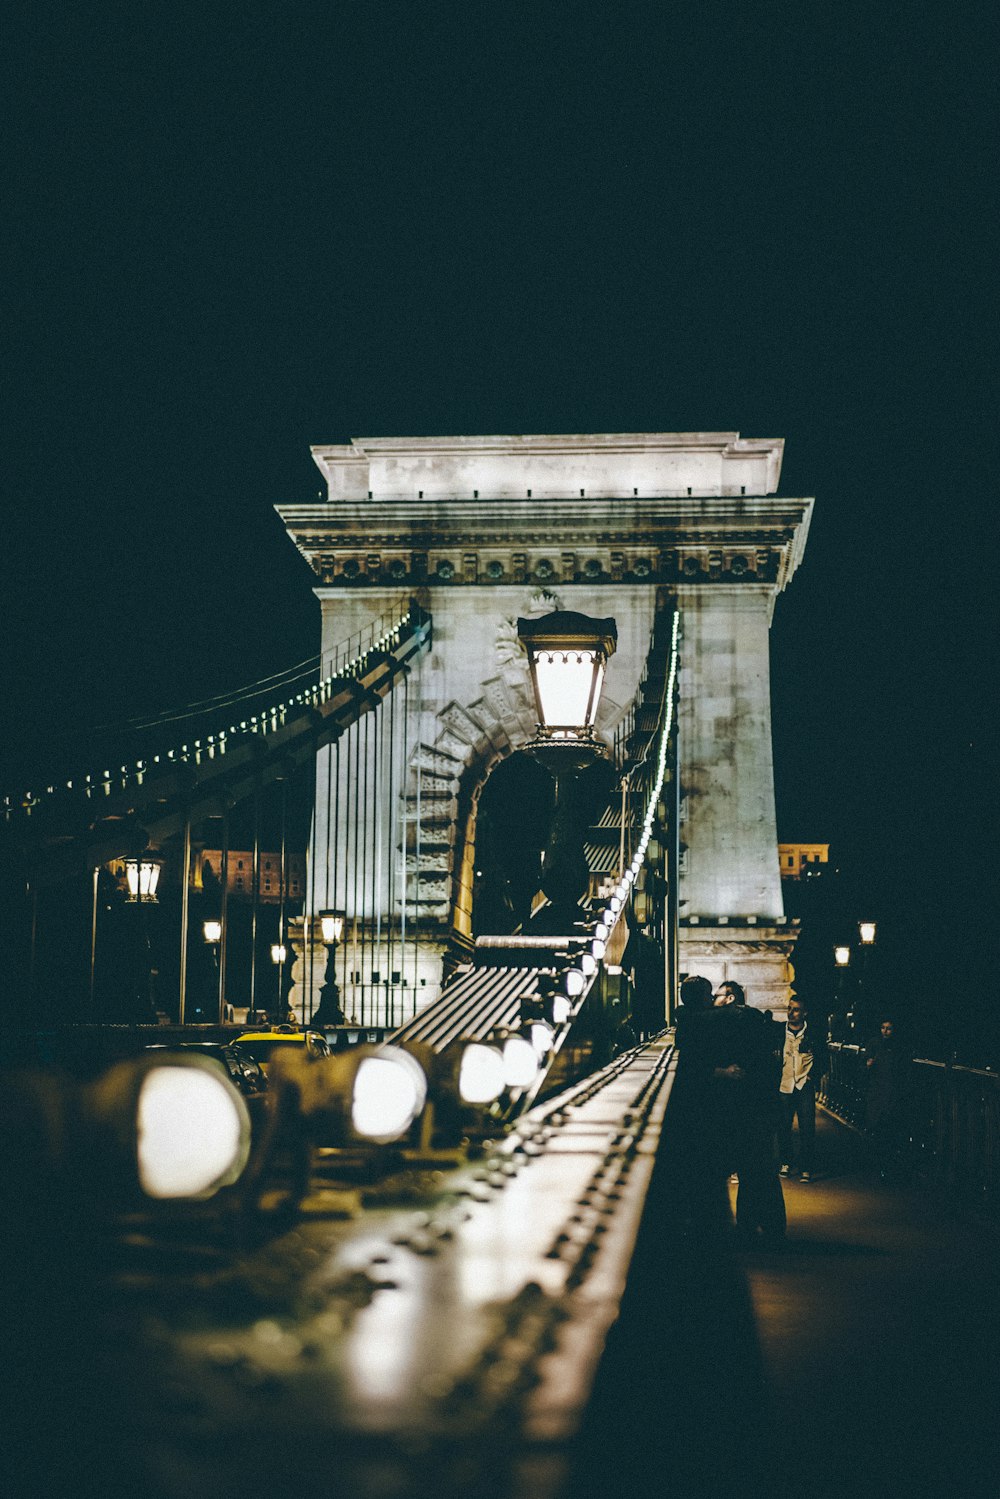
pixel 212 931
pixel 332 926
pixel 866 930
pixel 279 952
pixel 842 956
pixel 329 1010
pixel 142 875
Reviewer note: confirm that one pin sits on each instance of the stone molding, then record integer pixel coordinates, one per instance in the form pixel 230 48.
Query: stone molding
pixel 456 543
pixel 552 465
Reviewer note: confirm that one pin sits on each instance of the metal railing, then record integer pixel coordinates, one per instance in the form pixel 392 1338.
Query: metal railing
pixel 950 1120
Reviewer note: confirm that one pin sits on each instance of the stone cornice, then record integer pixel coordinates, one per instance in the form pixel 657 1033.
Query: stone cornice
pixel 686 539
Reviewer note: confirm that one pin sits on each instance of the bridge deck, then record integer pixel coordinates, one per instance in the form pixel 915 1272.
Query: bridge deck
pixel 862 1358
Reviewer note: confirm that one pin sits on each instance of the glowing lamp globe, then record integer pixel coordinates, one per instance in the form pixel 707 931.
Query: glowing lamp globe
pixel 567 653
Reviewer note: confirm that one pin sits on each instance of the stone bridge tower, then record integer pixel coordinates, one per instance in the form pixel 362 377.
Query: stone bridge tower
pixel 483 529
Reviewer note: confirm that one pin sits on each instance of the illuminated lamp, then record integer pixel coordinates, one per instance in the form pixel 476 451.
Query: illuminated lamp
pixel 142 876
pixel 866 930
pixel 541 1036
pixel 389 1092
pixel 212 930
pixel 575 983
pixel 279 952
pixel 176 1123
pixel 842 956
pixel 332 927
pixel 567 654
pixel 364 1095
pixel 520 1062
pixel 481 1077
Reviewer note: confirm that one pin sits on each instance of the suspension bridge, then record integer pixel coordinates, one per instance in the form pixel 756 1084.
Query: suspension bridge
pixel 442 1251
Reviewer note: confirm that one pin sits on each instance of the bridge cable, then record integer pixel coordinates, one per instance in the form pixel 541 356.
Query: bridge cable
pixel 404 833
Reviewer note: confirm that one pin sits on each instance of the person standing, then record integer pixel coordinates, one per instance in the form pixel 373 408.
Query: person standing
pixel 885 1072
pixel 803 1062
pixel 731 1046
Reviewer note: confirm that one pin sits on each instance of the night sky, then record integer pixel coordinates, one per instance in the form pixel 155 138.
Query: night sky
pixel 234 231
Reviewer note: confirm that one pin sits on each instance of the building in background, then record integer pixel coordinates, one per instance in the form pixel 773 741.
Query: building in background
pixel 802 860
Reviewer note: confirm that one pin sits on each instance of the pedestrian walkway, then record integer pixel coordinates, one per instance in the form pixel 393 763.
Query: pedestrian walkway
pixel 862 1358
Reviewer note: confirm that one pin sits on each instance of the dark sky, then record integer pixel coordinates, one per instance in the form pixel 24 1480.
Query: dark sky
pixel 238 230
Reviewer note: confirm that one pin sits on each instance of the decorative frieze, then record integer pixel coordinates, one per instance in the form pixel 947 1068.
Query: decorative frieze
pixel 690 564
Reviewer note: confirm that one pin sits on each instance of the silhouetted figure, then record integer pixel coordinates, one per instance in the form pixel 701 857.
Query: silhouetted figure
pixel 886 1068
pixel 726 1110
pixel 695 997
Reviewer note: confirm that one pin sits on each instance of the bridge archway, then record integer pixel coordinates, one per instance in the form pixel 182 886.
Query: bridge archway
pixel 482 529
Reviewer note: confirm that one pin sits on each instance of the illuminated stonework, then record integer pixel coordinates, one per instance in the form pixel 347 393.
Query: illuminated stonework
pixel 612 523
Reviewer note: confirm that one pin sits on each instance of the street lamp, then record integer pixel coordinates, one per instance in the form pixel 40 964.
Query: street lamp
pixel 842 958
pixel 142 875
pixel 279 956
pixel 567 654
pixel 212 931
pixel 329 1011
pixel 866 931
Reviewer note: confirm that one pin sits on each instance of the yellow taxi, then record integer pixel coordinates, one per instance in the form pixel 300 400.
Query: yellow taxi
pixel 264 1045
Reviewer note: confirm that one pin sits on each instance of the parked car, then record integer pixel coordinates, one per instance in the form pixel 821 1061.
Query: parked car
pixel 263 1045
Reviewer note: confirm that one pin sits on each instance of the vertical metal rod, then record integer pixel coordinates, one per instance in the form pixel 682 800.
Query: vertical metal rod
pixel 281 895
pixel 307 914
pixel 364 863
pixel 93 942
pixel 32 947
pixel 378 776
pixel 185 904
pixel 340 865
pixel 224 913
pixel 671 943
pixel 391 857
pixel 255 892
pixel 352 818
pixel 404 767
pixel 418 841
pixel 309 925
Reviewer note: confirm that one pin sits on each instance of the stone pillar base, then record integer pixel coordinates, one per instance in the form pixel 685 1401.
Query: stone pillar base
pixel 756 956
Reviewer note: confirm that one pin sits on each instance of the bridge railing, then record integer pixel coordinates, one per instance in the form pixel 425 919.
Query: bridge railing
pixel 950 1120
pixel 190 736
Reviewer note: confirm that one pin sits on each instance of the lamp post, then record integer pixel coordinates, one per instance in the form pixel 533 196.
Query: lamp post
pixel 142 876
pixel 866 932
pixel 211 930
pixel 279 955
pixel 842 960
pixel 567 654
pixel 329 1010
